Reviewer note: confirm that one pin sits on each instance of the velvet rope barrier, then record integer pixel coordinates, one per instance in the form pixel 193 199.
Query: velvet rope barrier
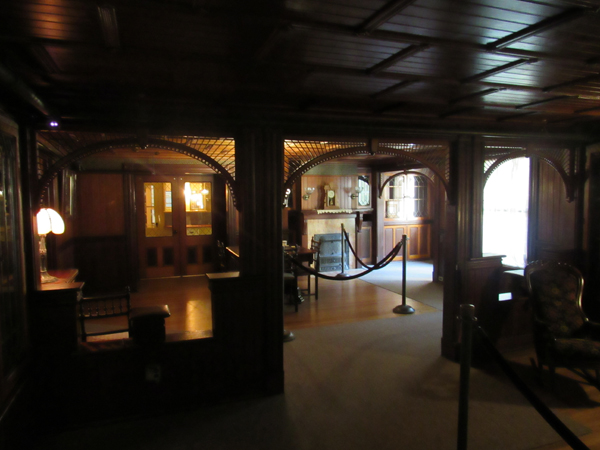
pixel 380 265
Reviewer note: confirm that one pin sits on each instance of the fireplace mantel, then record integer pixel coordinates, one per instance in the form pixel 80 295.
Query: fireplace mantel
pixel 310 222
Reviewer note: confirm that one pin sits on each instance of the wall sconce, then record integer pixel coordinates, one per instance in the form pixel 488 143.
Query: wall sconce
pixel 48 221
pixel 357 191
pixel 308 192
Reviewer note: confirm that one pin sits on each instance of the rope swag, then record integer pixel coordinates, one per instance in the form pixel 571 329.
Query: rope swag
pixel 379 265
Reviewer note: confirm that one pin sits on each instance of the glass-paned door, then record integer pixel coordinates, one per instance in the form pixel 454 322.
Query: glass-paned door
pixel 175 225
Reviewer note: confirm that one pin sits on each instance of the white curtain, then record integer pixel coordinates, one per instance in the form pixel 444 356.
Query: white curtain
pixel 505 212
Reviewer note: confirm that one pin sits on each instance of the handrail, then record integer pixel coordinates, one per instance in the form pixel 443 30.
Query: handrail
pixel 565 433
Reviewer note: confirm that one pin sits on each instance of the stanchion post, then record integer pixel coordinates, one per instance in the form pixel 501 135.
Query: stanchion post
pixel 404 308
pixel 467 317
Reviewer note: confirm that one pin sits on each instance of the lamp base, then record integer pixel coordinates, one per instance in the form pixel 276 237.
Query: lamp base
pixel 47 278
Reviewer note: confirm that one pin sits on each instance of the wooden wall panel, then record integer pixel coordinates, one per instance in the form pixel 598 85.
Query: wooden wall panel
pixel 100 244
pixel 342 184
pixel 100 205
pixel 419 239
pixel 413 240
pixel 556 235
pixel 364 243
pixel 388 240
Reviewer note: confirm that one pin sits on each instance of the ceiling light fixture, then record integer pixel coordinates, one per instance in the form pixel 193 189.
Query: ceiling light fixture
pixel 53 123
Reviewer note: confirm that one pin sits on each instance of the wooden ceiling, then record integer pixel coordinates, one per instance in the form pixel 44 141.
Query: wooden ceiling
pixel 485 66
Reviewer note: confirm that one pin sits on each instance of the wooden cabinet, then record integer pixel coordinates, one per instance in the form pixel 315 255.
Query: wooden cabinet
pixel 54 315
pixel 419 239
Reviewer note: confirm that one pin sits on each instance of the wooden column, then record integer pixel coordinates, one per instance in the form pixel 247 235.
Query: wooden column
pixel 29 182
pixel 259 175
pixel 466 271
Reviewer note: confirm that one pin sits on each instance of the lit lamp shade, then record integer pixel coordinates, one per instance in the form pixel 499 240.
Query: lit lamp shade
pixel 49 221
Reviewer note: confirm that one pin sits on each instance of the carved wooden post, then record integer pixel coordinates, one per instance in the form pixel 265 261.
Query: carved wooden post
pixel 463 233
pixel 259 174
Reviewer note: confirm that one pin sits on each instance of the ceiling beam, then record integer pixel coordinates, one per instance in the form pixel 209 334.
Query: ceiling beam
pixel 390 107
pixel 402 54
pixel 456 112
pixel 499 69
pixel 394 88
pixel 475 95
pixel 24 92
pixel 515 116
pixel 267 46
pixel 581 111
pixel 572 82
pixel 383 15
pixel 536 28
pixel 547 100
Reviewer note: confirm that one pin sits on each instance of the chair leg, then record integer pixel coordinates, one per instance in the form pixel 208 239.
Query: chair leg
pixel 316 288
pixel 299 299
pixel 539 368
pixel 552 371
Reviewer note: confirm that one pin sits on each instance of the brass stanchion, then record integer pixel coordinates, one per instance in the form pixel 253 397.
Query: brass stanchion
pixel 404 308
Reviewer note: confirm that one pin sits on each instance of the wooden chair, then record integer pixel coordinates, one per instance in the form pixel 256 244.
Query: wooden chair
pixel 144 324
pixel 315 246
pixel 106 310
pixel 222 256
pixel 563 335
pixel 291 289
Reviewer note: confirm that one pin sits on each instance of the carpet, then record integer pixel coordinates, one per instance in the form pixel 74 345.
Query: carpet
pixel 374 384
pixel 419 284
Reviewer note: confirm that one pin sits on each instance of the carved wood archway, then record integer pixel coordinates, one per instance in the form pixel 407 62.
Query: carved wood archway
pixel 128 143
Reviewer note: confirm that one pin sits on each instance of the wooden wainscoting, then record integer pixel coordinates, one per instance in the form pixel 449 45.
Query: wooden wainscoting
pixel 419 239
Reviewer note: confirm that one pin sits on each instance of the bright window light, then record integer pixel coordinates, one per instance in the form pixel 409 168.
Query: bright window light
pixel 505 212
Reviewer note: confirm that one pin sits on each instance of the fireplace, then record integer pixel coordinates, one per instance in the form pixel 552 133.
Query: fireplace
pixel 330 253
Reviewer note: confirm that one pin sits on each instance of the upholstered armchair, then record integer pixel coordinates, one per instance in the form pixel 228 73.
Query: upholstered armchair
pixel 563 335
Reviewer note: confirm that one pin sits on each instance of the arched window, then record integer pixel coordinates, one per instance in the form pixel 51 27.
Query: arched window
pixel 505 212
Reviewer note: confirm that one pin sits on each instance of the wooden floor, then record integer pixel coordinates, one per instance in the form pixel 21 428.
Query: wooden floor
pixel 339 302
pixel 356 300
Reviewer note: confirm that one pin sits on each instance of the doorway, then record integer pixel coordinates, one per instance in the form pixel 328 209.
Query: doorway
pixel 175 225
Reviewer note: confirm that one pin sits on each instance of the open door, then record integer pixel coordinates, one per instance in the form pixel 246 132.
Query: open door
pixel 175 225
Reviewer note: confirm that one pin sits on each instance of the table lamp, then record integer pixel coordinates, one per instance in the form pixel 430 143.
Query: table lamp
pixel 48 221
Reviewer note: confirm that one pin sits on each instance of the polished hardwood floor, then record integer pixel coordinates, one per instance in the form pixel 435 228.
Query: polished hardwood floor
pixel 356 300
pixel 339 302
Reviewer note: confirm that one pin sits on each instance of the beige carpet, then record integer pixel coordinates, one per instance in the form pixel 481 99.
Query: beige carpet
pixel 419 284
pixel 377 384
